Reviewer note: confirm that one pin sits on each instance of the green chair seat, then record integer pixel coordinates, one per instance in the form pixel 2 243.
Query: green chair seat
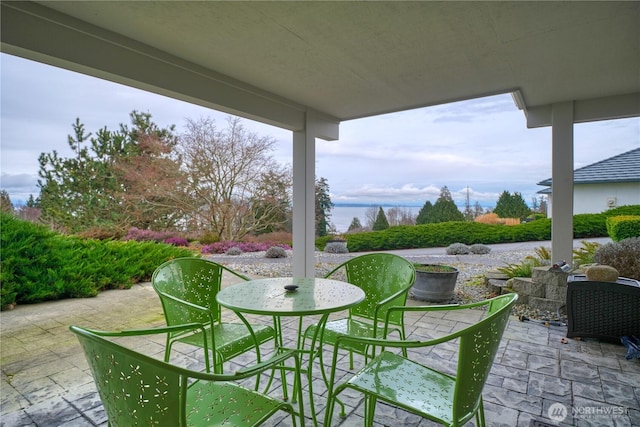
pixel 408 384
pixel 349 327
pixel 231 339
pixel 229 404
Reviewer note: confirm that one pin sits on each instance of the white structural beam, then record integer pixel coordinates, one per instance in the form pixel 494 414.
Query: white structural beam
pixel 589 110
pixel 562 182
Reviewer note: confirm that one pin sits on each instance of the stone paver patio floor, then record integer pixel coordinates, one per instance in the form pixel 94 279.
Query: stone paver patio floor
pixel 45 379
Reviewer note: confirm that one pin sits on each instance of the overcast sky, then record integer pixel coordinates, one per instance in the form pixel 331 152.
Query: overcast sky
pixel 404 158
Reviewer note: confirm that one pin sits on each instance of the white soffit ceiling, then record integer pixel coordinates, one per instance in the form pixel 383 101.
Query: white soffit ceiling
pixel 355 59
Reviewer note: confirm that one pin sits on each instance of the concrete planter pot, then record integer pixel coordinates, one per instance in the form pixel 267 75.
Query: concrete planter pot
pixel 434 282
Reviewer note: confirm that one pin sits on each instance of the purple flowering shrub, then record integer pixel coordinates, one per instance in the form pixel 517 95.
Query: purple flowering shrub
pixel 146 235
pixel 155 236
pixel 177 241
pixel 223 247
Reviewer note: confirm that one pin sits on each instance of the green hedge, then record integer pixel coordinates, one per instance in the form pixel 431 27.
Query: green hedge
pixel 39 265
pixel 445 233
pixel 623 226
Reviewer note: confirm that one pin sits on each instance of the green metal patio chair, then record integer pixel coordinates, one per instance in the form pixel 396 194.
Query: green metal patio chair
pixel 187 288
pixel 138 390
pixel 445 399
pixel 385 279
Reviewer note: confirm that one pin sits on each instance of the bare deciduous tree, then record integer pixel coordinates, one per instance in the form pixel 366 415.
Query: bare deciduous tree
pixel 400 216
pixel 370 216
pixel 232 177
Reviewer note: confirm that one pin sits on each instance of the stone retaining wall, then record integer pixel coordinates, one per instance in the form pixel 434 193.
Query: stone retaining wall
pixel 545 290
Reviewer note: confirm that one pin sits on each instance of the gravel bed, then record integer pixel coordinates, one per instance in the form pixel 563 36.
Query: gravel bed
pixel 470 286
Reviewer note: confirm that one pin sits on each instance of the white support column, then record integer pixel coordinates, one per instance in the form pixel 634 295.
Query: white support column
pixel 322 126
pixel 562 181
pixel 304 157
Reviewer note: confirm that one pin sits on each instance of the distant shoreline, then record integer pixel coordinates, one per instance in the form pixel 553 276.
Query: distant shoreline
pixel 375 205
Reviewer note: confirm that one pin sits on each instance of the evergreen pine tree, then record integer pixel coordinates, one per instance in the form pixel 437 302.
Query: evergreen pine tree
pixel 520 208
pixel 381 221
pixel 31 202
pixel 323 207
pixel 355 224
pixel 445 208
pixel 423 214
pixel 503 205
pixel 511 206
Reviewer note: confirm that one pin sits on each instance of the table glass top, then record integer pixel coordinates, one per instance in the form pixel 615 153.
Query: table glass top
pixel 269 296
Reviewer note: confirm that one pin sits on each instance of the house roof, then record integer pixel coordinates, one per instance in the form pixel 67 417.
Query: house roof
pixel 624 167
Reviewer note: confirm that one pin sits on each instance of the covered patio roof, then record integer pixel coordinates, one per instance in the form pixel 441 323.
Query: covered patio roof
pixel 307 66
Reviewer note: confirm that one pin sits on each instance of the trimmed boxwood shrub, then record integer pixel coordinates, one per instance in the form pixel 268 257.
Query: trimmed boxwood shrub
pixel 623 227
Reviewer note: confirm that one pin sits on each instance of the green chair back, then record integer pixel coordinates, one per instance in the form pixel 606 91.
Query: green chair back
pixel 138 390
pixel 187 288
pixel 133 389
pixel 194 280
pixel 400 381
pixel 477 349
pixel 380 276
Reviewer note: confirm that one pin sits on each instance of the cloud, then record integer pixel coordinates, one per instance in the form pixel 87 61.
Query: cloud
pixel 19 186
pixel 482 145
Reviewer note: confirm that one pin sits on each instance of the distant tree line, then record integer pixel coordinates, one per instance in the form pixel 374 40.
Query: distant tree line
pixel 210 182
pixel 220 183
pixel 443 210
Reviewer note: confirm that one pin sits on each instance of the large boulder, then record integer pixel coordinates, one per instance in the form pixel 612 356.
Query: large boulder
pixel 602 273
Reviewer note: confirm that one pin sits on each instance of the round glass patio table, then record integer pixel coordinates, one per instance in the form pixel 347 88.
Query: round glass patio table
pixel 311 296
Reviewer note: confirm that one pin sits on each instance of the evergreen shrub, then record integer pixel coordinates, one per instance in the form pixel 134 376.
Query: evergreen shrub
pixel 623 226
pixel 469 233
pixel 275 252
pixel 336 247
pixel 458 249
pixel 234 251
pixel 39 265
pixel 479 249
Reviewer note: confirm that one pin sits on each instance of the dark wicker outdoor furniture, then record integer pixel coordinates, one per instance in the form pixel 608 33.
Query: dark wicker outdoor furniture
pixel 603 310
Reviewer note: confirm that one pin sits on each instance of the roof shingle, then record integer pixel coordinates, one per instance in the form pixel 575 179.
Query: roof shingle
pixel 624 167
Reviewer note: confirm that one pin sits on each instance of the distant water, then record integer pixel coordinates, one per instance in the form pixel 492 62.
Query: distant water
pixel 341 216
